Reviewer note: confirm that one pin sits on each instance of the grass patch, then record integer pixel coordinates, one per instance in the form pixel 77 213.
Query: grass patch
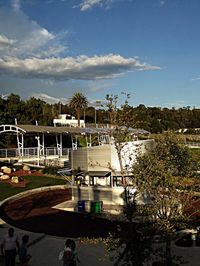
pixel 195 152
pixel 34 182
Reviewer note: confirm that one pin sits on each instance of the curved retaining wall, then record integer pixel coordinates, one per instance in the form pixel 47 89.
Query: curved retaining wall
pixel 32 191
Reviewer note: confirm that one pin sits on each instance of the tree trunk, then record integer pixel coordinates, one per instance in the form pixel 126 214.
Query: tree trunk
pixel 124 183
pixel 168 251
pixel 78 116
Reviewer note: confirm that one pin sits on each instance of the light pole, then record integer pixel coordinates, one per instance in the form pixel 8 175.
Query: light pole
pixel 95 116
pixel 97 104
pixel 84 116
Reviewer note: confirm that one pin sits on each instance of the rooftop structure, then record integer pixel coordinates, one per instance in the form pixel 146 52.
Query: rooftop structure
pixel 67 121
pixel 94 168
pixel 89 159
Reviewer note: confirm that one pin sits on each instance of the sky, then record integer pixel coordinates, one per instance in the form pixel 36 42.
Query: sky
pixel 50 49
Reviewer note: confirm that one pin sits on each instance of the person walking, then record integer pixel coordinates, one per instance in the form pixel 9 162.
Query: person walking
pixel 10 247
pixel 68 257
pixel 75 254
pixel 24 256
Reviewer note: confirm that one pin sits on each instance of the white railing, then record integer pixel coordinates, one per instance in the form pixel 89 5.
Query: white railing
pixel 193 144
pixel 32 152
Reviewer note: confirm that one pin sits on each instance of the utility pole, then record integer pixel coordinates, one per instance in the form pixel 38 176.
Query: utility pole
pixel 97 104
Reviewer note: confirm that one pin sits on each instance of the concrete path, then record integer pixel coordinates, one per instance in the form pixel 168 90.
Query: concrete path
pixel 45 253
pixel 45 250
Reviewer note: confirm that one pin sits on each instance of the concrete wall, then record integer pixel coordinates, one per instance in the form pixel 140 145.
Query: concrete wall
pixel 79 159
pixel 129 153
pixel 105 158
pixel 111 196
pixel 99 158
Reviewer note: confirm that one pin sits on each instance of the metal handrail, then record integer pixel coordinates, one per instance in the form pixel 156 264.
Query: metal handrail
pixel 31 152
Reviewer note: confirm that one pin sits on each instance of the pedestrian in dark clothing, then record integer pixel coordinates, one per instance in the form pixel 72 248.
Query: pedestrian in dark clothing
pixel 68 257
pixel 24 256
pixel 75 254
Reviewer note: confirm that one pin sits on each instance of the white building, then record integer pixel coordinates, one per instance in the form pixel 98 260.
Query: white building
pixel 67 121
pixel 105 157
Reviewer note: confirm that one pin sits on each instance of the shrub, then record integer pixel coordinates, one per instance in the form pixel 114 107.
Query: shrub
pixel 51 170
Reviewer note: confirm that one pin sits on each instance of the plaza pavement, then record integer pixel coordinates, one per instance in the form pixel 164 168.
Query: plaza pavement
pixel 45 249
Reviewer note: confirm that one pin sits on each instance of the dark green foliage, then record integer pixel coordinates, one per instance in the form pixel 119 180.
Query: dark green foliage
pixel 158 173
pixel 78 102
pixel 132 242
pixel 51 170
pixel 153 119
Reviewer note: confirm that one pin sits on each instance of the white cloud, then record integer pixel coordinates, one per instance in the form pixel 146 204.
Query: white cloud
pixel 16 5
pixel 49 99
pixel 89 4
pixel 95 86
pixel 163 2
pixel 30 38
pixel 28 50
pixel 197 78
pixel 48 82
pixel 177 104
pixel 4 41
pixel 79 68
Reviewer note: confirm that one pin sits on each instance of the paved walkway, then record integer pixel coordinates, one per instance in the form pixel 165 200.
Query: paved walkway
pixel 45 249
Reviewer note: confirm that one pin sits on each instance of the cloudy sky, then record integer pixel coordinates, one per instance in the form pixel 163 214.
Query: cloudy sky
pixel 149 48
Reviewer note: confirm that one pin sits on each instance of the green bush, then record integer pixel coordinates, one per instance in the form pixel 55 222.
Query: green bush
pixel 51 170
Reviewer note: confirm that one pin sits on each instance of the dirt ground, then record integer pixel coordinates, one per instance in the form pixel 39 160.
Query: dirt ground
pixel 35 213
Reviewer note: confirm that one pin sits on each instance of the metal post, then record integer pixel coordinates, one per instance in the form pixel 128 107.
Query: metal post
pixel 43 152
pixel 60 144
pixel 84 116
pixel 38 150
pixel 95 117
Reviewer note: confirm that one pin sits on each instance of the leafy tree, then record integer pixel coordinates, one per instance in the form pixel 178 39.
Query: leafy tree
pixel 78 102
pixel 112 107
pixel 153 119
pixel 132 242
pixel 47 116
pixel 2 111
pixel 34 110
pixel 157 175
pixel 13 108
pixel 120 134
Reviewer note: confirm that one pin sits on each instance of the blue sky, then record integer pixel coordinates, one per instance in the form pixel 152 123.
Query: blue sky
pixel 149 48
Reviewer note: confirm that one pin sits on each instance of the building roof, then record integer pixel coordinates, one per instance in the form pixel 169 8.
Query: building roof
pixel 95 173
pixel 49 129
pixel 31 129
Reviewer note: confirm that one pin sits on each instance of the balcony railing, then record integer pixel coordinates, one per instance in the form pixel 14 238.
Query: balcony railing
pixel 193 144
pixel 32 152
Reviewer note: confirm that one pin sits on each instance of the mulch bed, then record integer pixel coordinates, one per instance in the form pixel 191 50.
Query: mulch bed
pixel 25 173
pixel 21 173
pixel 35 213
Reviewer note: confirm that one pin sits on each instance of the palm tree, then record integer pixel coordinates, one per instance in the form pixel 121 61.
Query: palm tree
pixel 78 102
